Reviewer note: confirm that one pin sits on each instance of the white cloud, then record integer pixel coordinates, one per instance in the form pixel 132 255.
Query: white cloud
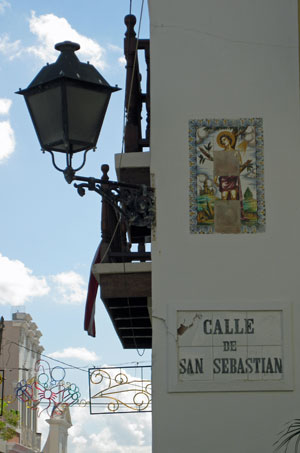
pixel 122 61
pixel 7 136
pixel 80 441
pixel 7 140
pixel 81 419
pixel 3 5
pixel 115 48
pixel 12 49
pixel 104 438
pixel 125 433
pixel 105 441
pixel 75 353
pixel 129 431
pixel 70 288
pixel 50 29
pixel 17 282
pixel 5 105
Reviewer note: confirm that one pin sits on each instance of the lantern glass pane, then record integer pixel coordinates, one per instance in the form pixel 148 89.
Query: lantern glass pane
pixel 46 113
pixel 86 110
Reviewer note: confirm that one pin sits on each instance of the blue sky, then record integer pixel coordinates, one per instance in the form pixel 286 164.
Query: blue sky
pixel 48 233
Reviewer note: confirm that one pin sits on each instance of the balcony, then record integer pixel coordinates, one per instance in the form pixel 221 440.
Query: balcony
pixel 124 270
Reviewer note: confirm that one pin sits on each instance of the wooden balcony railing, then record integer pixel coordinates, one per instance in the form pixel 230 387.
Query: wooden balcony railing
pixel 135 141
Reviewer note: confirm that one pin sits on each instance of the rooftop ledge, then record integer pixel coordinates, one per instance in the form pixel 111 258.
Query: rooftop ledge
pixel 120 268
pixel 123 280
pixel 133 160
pixel 133 167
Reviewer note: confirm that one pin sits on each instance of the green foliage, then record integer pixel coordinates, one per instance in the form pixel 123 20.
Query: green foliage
pixel 9 420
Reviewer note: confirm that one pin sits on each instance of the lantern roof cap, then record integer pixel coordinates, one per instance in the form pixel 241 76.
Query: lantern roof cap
pixel 68 66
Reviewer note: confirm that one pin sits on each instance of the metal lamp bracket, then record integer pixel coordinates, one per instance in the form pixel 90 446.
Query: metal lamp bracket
pixel 135 202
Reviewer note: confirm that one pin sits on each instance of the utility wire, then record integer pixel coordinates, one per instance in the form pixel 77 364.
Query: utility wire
pixel 48 357
pixel 68 365
pixel 112 238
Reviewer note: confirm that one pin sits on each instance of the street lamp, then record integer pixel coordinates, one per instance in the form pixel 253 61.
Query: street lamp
pixel 67 102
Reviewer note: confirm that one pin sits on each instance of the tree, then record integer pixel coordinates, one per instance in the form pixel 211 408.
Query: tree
pixel 9 420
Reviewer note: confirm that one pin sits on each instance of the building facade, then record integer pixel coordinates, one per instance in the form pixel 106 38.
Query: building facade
pixel 20 351
pixel 225 279
pixel 218 298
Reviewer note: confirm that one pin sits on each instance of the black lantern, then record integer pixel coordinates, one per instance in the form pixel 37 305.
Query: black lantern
pixel 67 102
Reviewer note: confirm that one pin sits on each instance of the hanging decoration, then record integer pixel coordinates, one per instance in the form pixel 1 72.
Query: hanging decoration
pixel 47 389
pixel 116 390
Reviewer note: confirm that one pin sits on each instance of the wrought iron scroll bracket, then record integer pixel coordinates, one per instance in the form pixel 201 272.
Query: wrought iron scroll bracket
pixel 135 202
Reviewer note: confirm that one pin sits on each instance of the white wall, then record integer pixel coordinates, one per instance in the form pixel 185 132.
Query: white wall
pixel 223 59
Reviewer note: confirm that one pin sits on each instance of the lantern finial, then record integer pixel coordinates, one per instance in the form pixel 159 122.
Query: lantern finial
pixel 67 46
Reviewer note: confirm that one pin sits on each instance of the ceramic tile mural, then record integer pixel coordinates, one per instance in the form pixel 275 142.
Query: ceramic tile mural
pixel 226 176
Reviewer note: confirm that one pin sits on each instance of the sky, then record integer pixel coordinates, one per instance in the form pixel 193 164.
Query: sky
pixel 48 233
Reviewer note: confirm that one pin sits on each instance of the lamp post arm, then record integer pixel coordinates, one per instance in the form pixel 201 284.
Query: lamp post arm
pixel 135 202
pixel 111 184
